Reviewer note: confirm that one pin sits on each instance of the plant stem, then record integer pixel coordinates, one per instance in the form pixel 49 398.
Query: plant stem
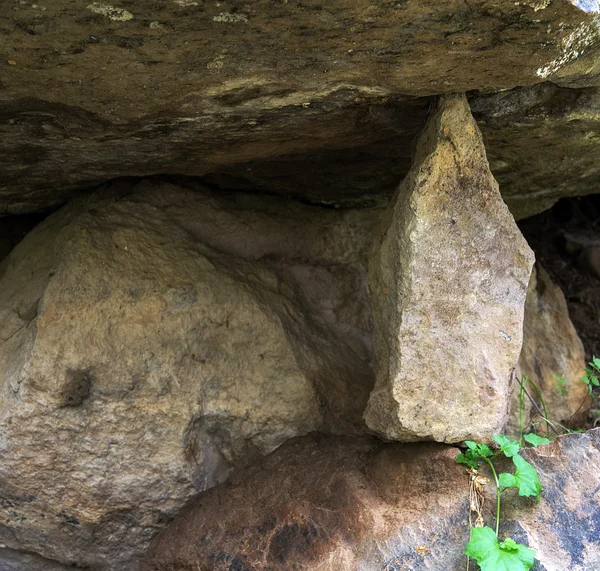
pixel 497 494
pixel 521 410
pixel 539 392
pixel 544 418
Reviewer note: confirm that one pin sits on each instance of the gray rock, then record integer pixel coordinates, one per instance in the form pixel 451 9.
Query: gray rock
pixel 152 342
pixel 449 273
pixel 563 528
pixel 11 560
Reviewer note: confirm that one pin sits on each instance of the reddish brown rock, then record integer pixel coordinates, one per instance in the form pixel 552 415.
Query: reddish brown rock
pixel 339 504
pixel 327 504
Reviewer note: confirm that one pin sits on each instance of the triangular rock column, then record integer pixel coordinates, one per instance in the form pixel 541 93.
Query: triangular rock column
pixel 449 272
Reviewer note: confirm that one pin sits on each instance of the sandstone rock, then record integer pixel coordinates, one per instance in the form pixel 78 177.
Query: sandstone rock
pixel 551 350
pixel 334 504
pixel 329 505
pixel 449 274
pixel 154 340
pixel 193 88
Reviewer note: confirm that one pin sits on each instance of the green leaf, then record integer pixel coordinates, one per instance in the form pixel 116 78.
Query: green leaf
pixel 526 478
pixel 492 556
pixel 507 480
pixel 595 363
pixel 484 451
pixel 468 460
pixel 535 440
pixel 508 446
pixel 478 450
pixel 509 545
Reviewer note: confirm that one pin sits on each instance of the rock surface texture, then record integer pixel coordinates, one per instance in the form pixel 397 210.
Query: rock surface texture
pixel 334 504
pixel 92 91
pixel 153 340
pixel 329 505
pixel 564 527
pixel 448 275
pixel 552 353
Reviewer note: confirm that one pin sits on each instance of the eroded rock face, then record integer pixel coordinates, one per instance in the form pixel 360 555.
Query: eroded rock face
pixel 334 504
pixel 91 92
pixel 449 273
pixel 552 353
pixel 153 340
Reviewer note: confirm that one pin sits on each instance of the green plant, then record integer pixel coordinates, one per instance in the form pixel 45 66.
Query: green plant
pixel 591 375
pixel 551 425
pixel 560 384
pixel 485 546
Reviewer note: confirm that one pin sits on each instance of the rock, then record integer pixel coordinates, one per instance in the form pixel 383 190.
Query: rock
pixel 333 504
pixel 326 504
pixel 589 260
pixel 449 273
pixel 552 353
pixel 563 527
pixel 155 338
pixel 539 142
pixel 182 87
pixel 11 560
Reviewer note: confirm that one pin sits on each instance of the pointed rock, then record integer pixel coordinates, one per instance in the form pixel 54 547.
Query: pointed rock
pixel 449 273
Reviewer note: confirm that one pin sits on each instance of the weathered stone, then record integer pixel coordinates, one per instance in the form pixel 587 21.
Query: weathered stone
pixel 154 339
pixel 334 504
pixel 11 560
pixel 449 274
pixel 540 142
pixel 563 527
pixel 327 504
pixel 552 353
pixel 192 88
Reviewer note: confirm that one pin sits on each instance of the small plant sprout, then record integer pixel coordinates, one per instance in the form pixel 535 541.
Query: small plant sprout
pixel 591 375
pixel 560 384
pixel 485 546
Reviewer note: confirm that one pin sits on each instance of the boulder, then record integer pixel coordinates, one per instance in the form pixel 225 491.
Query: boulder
pixel 552 357
pixel 328 504
pixel 154 339
pixel 334 504
pixel 92 92
pixel 449 272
